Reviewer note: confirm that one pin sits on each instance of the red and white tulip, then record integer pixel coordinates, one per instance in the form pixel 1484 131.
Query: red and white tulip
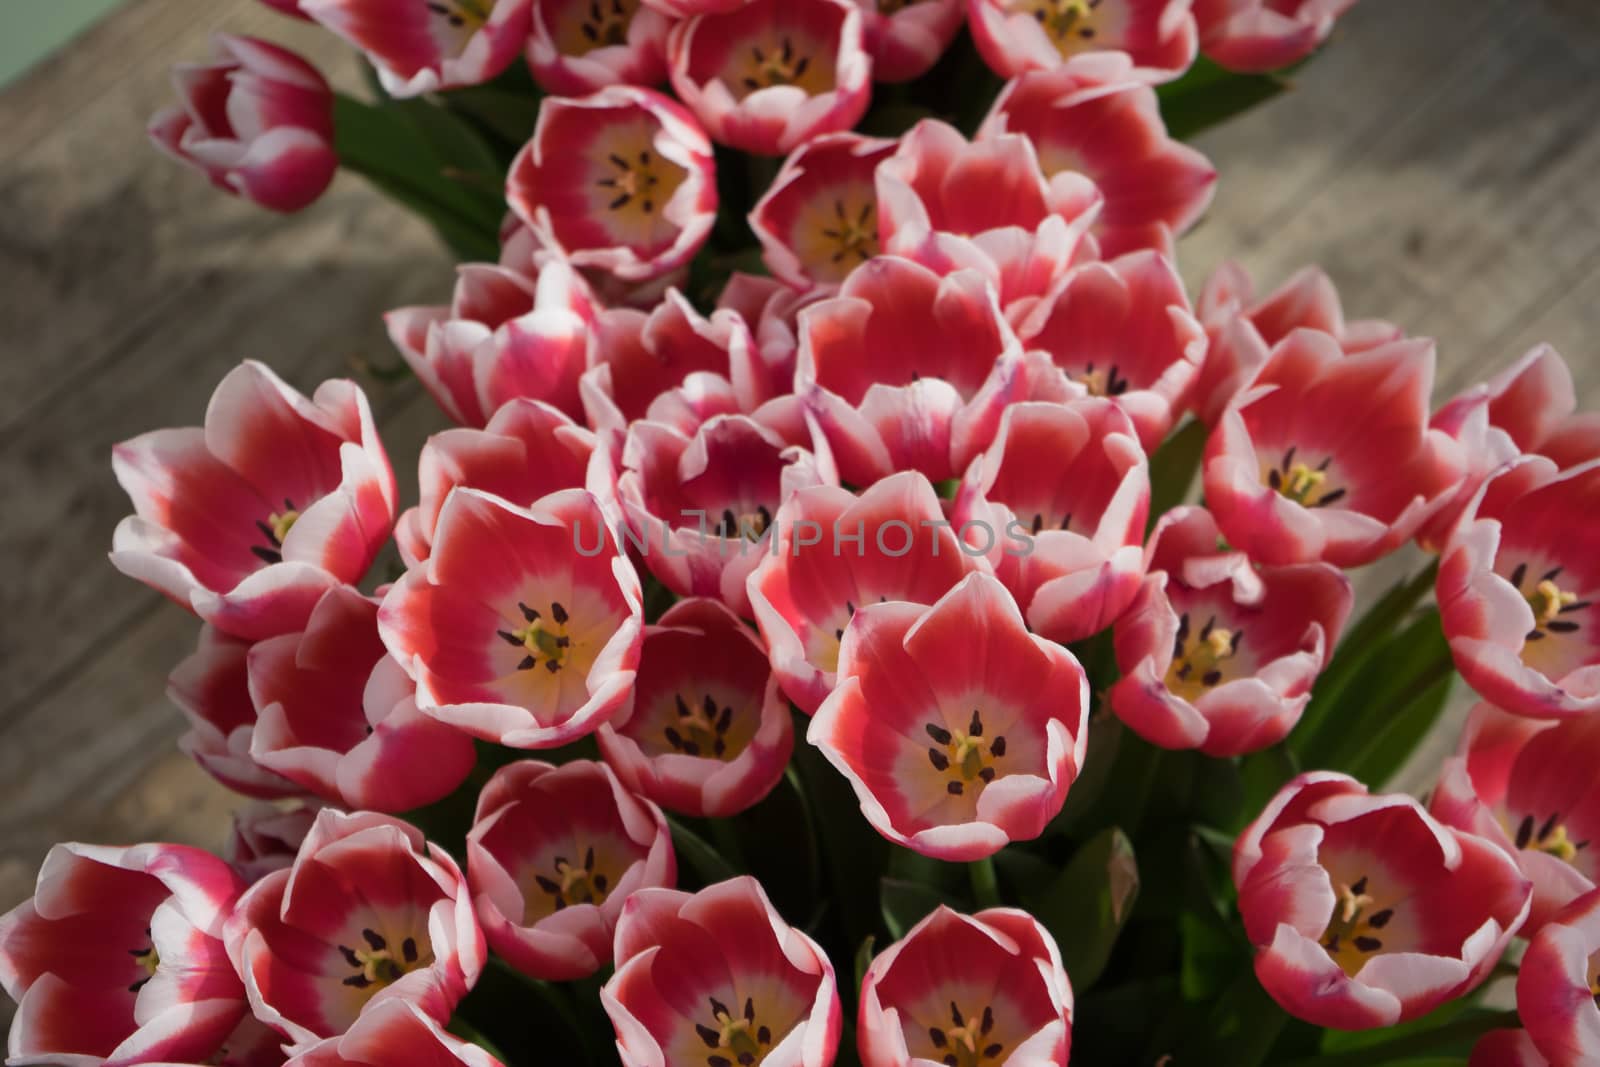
pixel 1262 35
pixel 769 75
pixel 552 856
pixel 1016 36
pixel 1365 911
pixel 394 1032
pixel 118 958
pixel 1218 654
pixel 958 729
pixel 264 838
pixel 211 687
pixel 706 731
pixel 523 626
pixel 621 181
pixel 581 46
pixel 835 552
pixel 972 988
pixel 368 912
pixel 1065 537
pixel 422 46
pixel 718 978
pixel 905 40
pixel 257 121
pixel 1557 983
pixel 249 520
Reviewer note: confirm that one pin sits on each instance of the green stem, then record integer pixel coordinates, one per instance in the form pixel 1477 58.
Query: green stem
pixel 1414 1044
pixel 1393 606
pixel 985 884
pixel 472 1035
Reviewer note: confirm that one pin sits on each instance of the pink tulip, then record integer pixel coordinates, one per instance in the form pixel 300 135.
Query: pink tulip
pixel 369 912
pixel 720 973
pixel 1329 456
pixel 257 121
pixel 505 336
pixel 622 181
pixel 1506 1048
pixel 394 1032
pixel 212 689
pixel 1243 328
pixel 672 365
pixel 1528 407
pixel 1365 912
pixel 905 369
pixel 1015 36
pixel 835 552
pixel 251 519
pixel 553 854
pixel 527 450
pixel 117 959
pixel 580 46
pixel 1556 985
pixel 1097 119
pixel 287 7
pixel 706 731
pixel 770 75
pixel 1121 330
pixel 819 219
pixel 1082 513
pixel 986 206
pixel 523 626
pixel 338 717
pixel 1516 585
pixel 906 40
pixel 968 988
pixel 958 729
pixel 422 46
pixel 1217 654
pixel 265 838
pixel 700 507
pixel 677 10
pixel 1262 35
pixel 1526 785
pixel 772 310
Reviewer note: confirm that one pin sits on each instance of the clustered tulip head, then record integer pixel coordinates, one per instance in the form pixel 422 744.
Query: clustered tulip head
pixel 815 541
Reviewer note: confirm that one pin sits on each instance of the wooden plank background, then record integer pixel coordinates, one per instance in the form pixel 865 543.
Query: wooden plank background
pixel 1439 160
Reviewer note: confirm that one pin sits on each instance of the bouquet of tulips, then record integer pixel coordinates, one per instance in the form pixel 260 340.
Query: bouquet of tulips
pixel 804 648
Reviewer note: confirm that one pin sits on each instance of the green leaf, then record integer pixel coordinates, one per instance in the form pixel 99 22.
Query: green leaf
pixel 1208 95
pixel 863 961
pixel 1173 467
pixel 905 904
pixel 1262 774
pixel 706 861
pixel 1087 905
pixel 1210 958
pixel 507 115
pixel 853 853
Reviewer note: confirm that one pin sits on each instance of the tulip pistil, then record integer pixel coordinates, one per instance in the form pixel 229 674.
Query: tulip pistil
pixel 1549 602
pixel 275 528
pixel 574 883
pixel 461 13
pixel 607 22
pixel 377 964
pixel 544 643
pixel 967 1043
pixel 1199 664
pixel 735 1039
pixel 149 959
pixel 1104 381
pixel 1068 20
pixel 1550 838
pixel 854 234
pixel 781 62
pixel 1305 485
pixel 701 729
pixel 964 756
pixel 749 525
pixel 1351 934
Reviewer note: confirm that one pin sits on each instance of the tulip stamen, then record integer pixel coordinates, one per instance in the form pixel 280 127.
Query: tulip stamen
pixel 1302 483
pixel 781 63
pixel 855 233
pixel 967 1043
pixel 149 959
pixel 607 22
pixel 1199 664
pixel 460 13
pixel 701 729
pixel 543 643
pixel 1550 838
pixel 1105 381
pixel 377 965
pixel 1549 601
pixel 1068 21
pixel 275 528
pixel 735 1038
pixel 963 755
pixel 748 525
pixel 1349 937
pixel 575 883
pixel 641 182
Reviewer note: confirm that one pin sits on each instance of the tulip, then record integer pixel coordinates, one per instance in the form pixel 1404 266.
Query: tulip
pixel 835 552
pixel 504 336
pixel 393 1032
pixel 706 731
pixel 264 838
pixel 581 46
pixel 905 40
pixel 1262 35
pixel 1506 1048
pixel 1329 456
pixel 1015 36
pixel 1366 912
pixel 257 121
pixel 818 221
pixel 369 912
pixel 1082 514
pixel 1102 122
pixel 770 75
pixel 212 689
pixel 967 988
pixel 523 626
pixel 958 729
pixel 118 958
pixel 552 856
pixel 718 977
pixel 422 46
pixel 1515 589
pixel 1556 985
pixel 621 180
pixel 250 520
pixel 772 310
pixel 1217 654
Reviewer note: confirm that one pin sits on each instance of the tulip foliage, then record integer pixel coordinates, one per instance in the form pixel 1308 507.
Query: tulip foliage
pixel 857 607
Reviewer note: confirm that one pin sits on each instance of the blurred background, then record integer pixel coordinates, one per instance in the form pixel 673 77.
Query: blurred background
pixel 1439 160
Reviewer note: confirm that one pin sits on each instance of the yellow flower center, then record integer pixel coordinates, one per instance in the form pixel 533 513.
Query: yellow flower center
pixel 1304 484
pixel 1072 24
pixel 149 959
pixel 735 1039
pixel 1199 661
pixel 964 757
pixel 1551 838
pixel 1350 936
pixel 376 964
pixel 1102 381
pixel 967 1043
pixel 575 883
pixel 852 235
pixel 545 641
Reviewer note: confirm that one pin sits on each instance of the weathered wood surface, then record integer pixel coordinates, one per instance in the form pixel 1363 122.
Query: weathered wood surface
pixel 1438 160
